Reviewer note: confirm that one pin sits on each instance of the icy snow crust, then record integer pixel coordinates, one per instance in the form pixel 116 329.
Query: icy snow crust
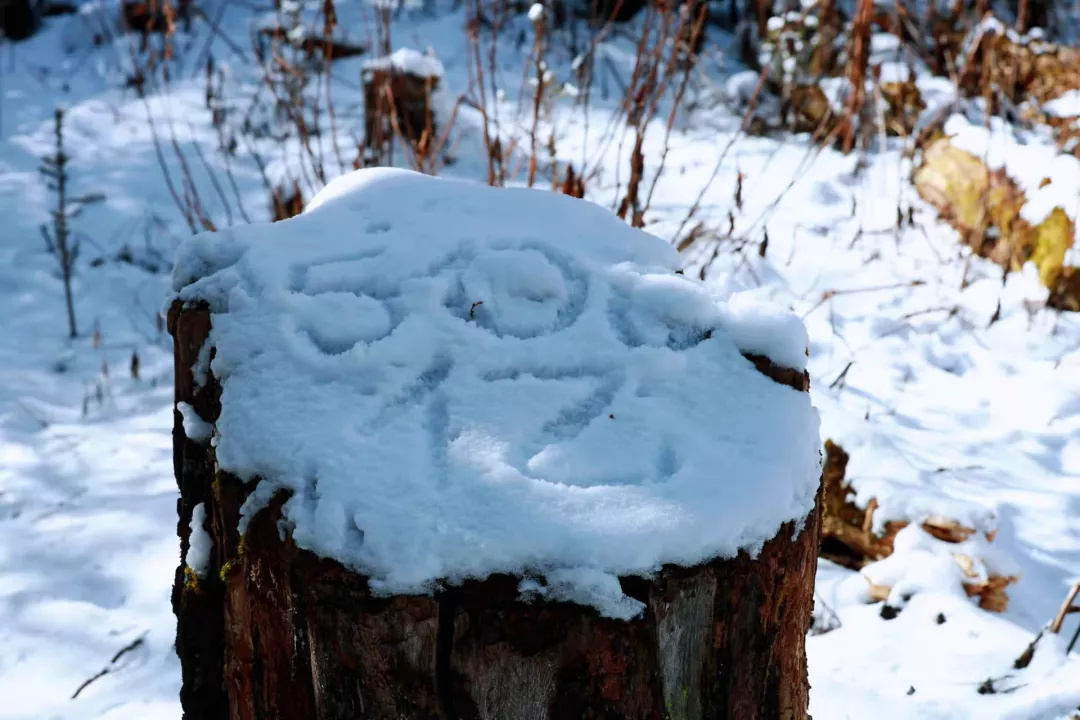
pixel 456 380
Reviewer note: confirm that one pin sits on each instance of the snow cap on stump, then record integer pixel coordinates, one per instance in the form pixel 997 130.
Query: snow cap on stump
pixel 407 62
pixel 455 380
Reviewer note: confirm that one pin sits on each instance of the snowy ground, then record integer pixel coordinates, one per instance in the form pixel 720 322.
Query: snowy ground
pixel 941 410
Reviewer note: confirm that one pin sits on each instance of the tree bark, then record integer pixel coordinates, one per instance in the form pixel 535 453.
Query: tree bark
pixel 273 631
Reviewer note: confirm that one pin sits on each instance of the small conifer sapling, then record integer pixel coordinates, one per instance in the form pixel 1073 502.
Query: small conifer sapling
pixel 59 240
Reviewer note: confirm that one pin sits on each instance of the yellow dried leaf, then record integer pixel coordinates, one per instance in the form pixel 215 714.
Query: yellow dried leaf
pixel 1054 237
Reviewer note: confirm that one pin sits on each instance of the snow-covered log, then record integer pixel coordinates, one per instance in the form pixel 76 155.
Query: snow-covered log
pixel 483 453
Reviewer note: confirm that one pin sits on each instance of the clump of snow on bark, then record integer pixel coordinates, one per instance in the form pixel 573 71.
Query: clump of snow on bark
pixel 200 371
pixel 199 543
pixel 586 586
pixel 195 428
pixel 455 380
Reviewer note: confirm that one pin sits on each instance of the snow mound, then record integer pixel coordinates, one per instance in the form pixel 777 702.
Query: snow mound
pixel 922 563
pixel 902 498
pixel 455 380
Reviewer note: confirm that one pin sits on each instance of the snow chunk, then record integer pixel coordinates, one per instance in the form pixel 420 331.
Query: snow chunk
pixel 761 327
pixel 408 61
pixel 1066 106
pixel 456 380
pixel 739 88
pixel 195 428
pixel 199 543
pixel 895 72
pixel 536 12
pixel 586 586
pixel 200 371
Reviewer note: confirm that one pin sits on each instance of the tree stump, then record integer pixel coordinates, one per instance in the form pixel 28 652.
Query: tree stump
pixel 274 631
pixel 268 629
pixel 398 94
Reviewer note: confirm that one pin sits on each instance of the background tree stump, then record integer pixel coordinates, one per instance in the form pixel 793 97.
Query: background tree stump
pixel 398 94
pixel 273 631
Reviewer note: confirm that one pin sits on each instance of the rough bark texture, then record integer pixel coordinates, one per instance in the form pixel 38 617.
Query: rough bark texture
pixel 272 631
pixel 198 605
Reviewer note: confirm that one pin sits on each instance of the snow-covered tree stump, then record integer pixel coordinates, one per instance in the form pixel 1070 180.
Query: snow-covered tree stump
pixel 454 452
pixel 398 94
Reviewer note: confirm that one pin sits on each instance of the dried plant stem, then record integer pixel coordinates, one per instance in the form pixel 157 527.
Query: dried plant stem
pixel 857 67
